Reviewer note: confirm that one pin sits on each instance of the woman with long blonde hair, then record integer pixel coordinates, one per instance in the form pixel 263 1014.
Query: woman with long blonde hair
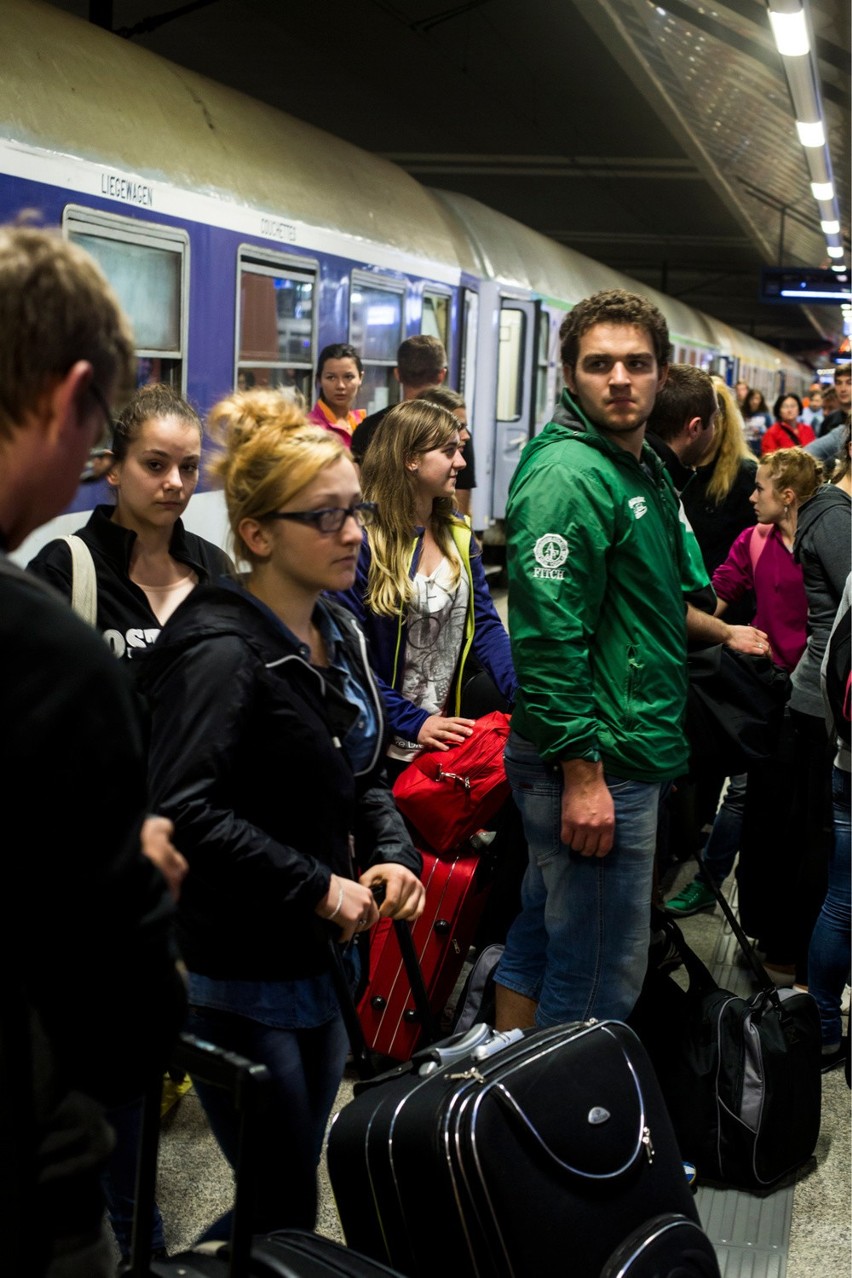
pixel 420 588
pixel 267 752
pixel 717 498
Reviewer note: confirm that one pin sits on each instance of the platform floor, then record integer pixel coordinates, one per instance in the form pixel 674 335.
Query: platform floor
pixel 800 1231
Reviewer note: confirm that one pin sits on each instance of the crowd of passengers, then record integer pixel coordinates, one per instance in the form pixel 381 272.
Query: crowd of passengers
pixel 287 685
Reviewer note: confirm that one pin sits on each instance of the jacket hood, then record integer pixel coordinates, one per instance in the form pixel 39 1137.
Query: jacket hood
pixel 826 497
pixel 226 609
pixel 570 422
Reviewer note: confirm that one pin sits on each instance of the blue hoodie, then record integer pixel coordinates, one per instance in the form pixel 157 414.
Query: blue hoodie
pixel 485 634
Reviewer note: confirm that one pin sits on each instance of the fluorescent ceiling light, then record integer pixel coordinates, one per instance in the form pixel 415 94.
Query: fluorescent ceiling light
pixel 835 250
pixel 790 32
pixel 830 228
pixel 811 135
pixel 822 190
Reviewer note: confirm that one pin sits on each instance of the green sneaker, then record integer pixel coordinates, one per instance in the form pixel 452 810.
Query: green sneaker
pixel 696 896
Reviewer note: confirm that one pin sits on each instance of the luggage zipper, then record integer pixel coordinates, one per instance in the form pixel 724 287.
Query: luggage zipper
pixel 648 1143
pixel 469 1076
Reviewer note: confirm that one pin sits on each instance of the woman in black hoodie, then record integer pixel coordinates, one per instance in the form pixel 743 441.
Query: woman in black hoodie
pixel 267 751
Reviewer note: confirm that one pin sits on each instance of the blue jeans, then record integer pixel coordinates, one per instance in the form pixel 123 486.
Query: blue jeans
pixel 119 1178
pixel 723 843
pixel 828 954
pixel 579 947
pixel 306 1066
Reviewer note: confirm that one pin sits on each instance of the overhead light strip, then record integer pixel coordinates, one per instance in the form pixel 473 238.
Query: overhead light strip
pixel 790 28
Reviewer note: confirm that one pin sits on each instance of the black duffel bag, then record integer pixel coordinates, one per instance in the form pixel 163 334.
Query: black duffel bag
pixel 740 1076
pixel 734 709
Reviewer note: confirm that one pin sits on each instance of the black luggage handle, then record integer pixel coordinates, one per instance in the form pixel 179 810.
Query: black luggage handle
pixel 361 1054
pixel 764 980
pixel 246 1083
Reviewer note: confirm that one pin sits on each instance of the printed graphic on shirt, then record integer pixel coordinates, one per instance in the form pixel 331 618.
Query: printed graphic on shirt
pixel 639 506
pixel 133 638
pixel 550 552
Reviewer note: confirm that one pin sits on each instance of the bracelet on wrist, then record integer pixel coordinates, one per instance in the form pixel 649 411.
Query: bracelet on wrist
pixel 336 909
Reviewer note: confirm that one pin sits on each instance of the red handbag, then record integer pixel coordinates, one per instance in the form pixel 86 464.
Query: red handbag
pixel 447 795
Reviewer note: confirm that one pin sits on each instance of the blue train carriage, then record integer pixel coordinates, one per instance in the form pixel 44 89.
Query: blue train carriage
pixel 241 241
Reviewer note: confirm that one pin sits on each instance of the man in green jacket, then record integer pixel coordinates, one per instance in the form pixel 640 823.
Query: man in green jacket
pixel 600 567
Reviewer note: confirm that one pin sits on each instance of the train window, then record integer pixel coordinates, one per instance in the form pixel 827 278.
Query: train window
pixel 543 405
pixel 147 265
pixel 467 357
pixel 275 328
pixel 436 317
pixel 375 330
pixel 510 364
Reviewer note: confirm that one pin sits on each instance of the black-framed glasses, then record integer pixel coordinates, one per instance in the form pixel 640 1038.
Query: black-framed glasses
pixel 104 443
pixel 332 518
pixel 98 461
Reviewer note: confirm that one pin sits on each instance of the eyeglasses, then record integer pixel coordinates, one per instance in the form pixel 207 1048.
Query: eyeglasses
pixel 104 443
pixel 102 448
pixel 332 518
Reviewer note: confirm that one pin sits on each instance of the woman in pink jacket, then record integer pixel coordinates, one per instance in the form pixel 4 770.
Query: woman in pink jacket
pixel 339 377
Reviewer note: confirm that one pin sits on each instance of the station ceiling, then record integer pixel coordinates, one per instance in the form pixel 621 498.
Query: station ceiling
pixel 658 139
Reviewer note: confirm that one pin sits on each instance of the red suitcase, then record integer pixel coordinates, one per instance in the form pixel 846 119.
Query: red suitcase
pixel 456 892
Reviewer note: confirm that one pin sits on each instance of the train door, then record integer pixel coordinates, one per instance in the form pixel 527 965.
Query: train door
pixel 515 402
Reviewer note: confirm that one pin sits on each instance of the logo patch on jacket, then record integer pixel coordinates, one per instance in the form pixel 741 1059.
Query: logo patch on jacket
pixel 639 506
pixel 550 552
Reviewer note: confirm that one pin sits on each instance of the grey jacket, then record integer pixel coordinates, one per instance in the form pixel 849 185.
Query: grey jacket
pixel 822 547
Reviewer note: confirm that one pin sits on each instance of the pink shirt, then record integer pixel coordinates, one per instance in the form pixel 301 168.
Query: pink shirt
pixel 782 605
pixel 321 415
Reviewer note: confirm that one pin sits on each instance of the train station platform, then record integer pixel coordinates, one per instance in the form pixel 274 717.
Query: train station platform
pixel 801 1230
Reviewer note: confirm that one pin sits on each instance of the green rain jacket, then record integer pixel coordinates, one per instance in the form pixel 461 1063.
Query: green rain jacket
pixel 600 564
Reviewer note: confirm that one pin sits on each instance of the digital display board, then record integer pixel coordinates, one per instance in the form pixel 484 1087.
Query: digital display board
pixel 795 284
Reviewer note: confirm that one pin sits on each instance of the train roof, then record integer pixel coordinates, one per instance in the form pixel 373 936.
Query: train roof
pixel 521 257
pixel 68 87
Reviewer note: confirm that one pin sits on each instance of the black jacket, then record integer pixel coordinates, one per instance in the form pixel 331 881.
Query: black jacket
pixel 246 760
pixel 92 998
pixel 717 524
pixel 124 615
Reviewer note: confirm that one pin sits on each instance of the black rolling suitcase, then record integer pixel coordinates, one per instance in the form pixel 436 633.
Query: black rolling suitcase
pixel 287 1253
pixel 519 1155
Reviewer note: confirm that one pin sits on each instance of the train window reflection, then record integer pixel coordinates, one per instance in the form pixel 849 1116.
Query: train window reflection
pixel 435 321
pixel 510 364
pixel 147 267
pixel 375 330
pixel 275 325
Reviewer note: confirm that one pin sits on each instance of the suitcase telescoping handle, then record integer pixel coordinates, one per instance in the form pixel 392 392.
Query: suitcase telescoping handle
pixel 361 1055
pixel 411 963
pixel 477 1043
pixel 246 1083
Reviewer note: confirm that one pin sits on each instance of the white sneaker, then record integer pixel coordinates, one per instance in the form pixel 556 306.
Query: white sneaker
pixel 844 1001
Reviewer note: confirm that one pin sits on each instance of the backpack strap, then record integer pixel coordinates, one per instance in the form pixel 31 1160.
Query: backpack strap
pixel 757 544
pixel 84 581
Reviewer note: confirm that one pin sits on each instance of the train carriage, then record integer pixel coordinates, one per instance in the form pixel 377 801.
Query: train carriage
pixel 241 241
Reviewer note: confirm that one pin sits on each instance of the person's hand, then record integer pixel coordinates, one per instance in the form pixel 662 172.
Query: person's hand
pixel 439 733
pixel 349 905
pixel 588 813
pixel 156 841
pixel 750 640
pixel 404 894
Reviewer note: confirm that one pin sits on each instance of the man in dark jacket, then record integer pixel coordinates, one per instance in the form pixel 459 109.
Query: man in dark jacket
pixel 421 362
pixel 843 387
pixel 682 422
pixel 92 998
